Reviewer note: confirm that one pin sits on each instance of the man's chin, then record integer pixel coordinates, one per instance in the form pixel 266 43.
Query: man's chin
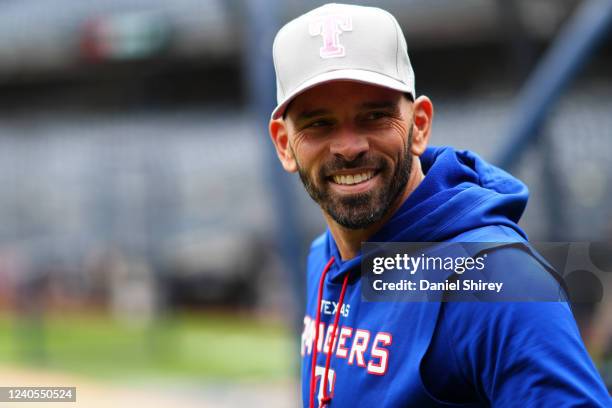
pixel 355 216
pixel 356 223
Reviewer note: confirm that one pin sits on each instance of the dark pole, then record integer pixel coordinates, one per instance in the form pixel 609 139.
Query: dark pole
pixel 262 22
pixel 572 47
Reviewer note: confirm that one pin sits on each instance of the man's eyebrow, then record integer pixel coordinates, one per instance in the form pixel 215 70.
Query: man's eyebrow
pixel 379 105
pixel 308 114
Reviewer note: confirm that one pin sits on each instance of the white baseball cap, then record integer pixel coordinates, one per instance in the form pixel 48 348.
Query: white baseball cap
pixel 340 42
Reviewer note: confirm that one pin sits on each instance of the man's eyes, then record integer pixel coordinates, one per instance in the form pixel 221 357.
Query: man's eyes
pixel 375 115
pixel 366 117
pixel 319 123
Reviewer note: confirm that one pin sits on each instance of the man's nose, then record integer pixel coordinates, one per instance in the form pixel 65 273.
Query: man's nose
pixel 349 144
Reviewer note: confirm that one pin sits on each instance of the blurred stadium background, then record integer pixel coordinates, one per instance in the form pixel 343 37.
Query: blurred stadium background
pixel 151 249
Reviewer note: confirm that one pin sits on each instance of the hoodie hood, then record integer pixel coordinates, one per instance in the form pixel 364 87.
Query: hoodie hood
pixel 460 193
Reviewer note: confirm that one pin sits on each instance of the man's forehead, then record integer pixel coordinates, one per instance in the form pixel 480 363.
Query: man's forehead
pixel 343 95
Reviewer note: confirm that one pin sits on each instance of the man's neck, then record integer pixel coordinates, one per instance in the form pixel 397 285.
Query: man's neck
pixel 349 240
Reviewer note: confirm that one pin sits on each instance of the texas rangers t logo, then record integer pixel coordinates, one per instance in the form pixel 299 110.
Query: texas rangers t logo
pixel 330 27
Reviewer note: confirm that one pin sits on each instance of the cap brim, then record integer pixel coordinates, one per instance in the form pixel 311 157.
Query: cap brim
pixel 367 77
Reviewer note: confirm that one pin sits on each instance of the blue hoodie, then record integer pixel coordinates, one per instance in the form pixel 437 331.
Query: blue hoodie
pixel 422 354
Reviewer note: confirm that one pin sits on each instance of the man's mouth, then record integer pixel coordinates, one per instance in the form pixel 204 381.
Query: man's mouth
pixel 353 178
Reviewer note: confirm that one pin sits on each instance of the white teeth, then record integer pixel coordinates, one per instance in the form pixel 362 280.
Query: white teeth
pixel 353 178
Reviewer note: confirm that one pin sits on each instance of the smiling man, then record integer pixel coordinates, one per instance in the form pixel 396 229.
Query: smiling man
pixel 349 123
pixel 366 170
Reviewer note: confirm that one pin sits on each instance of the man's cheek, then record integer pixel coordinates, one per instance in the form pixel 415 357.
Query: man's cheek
pixel 319 174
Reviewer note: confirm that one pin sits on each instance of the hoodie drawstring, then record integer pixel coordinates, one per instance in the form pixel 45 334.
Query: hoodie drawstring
pixel 326 398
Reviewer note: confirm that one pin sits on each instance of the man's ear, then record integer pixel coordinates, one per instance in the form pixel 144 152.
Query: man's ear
pixel 280 138
pixel 423 117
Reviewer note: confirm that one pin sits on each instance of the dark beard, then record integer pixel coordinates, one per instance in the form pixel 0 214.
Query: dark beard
pixel 362 210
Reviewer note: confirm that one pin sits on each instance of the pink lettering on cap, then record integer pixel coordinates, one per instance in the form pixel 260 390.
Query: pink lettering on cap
pixel 330 27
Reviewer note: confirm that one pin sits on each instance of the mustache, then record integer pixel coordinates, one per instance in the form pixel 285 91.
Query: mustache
pixel 338 163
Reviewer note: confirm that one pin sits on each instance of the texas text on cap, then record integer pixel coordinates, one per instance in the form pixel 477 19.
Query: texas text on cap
pixel 340 42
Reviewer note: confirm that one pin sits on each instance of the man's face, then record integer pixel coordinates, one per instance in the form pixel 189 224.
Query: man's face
pixel 351 144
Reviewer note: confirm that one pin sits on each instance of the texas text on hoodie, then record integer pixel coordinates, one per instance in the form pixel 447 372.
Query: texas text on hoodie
pixel 401 354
